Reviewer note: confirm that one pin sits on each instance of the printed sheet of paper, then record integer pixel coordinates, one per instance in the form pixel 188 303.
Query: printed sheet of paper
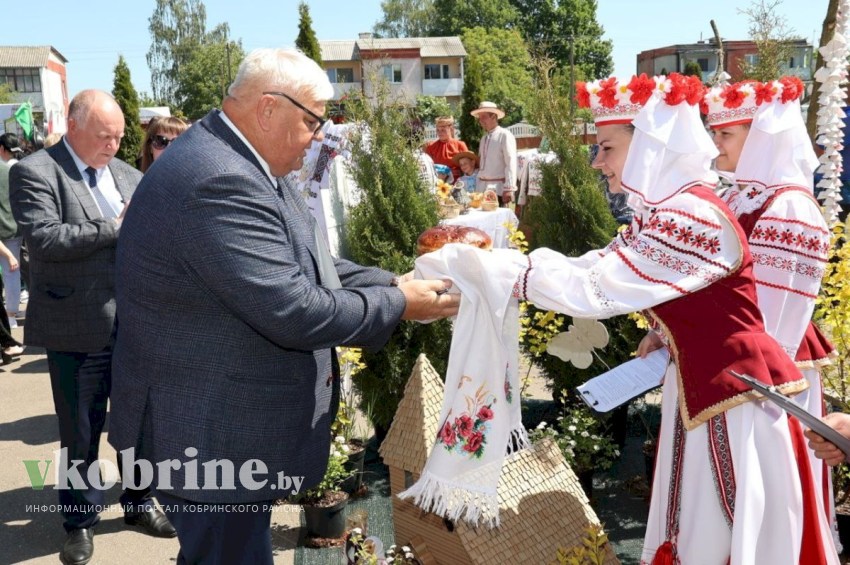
pixel 626 381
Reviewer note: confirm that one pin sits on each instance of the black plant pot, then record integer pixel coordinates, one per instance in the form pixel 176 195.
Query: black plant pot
pixel 326 521
pixel 354 466
pixel 843 523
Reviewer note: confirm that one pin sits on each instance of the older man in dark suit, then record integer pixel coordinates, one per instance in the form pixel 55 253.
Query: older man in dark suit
pixel 69 201
pixel 230 305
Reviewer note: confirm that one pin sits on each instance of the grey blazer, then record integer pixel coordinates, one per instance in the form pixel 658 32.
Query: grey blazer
pixel 225 332
pixel 71 249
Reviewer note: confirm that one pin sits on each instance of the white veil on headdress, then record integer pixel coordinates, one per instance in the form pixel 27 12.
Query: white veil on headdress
pixel 670 152
pixel 778 129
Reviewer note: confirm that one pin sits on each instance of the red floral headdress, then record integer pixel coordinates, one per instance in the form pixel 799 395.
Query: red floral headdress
pixel 618 102
pixel 734 104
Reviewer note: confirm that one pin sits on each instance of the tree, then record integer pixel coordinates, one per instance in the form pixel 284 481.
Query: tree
pixel 405 18
pixel 394 208
pixel 204 77
pixel 125 95
pixel 552 28
pixel 5 93
pixel 505 69
pixel 429 108
pixel 473 94
pixel 773 38
pixel 693 68
pixel 571 216
pixel 457 15
pixel 306 40
pixel 177 27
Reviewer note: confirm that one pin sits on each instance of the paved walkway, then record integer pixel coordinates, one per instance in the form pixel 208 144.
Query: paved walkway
pixel 28 431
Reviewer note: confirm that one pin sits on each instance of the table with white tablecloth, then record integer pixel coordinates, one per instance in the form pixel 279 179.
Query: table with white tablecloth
pixel 493 223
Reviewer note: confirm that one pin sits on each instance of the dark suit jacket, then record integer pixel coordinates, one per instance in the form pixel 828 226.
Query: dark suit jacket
pixel 225 335
pixel 71 250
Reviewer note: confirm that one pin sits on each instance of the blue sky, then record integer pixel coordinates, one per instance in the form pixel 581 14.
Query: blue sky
pixel 92 33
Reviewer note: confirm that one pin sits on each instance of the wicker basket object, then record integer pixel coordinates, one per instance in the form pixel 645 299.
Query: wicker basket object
pixel 489 206
pixel 448 211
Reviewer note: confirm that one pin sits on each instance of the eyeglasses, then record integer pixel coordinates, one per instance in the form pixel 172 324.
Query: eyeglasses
pixel 160 142
pixel 320 121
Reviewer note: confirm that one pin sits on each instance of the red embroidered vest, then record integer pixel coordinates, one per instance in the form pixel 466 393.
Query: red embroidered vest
pixel 815 349
pixel 720 327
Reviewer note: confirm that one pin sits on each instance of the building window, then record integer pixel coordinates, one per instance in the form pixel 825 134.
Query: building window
pixel 392 73
pixel 791 62
pixel 436 71
pixel 703 64
pixel 751 59
pixel 341 75
pixel 21 80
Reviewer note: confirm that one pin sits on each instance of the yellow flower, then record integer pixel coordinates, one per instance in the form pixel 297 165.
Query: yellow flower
pixel 444 189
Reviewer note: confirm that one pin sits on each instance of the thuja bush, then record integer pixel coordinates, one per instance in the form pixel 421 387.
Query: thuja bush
pixel 572 217
pixel 395 207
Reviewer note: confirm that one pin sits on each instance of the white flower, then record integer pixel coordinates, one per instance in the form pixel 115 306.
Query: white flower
pixel 408 555
pixel 595 448
pixel 339 439
pixel 571 428
pixel 406 549
pixel 541 426
pixel 594 437
pixel 345 448
pixel 572 443
pixel 616 453
pixel 585 434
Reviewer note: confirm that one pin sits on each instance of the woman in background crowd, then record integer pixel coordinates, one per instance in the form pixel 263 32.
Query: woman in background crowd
pixel 445 147
pixel 160 133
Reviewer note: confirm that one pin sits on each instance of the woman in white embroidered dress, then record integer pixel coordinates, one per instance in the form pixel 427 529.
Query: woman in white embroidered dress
pixel 729 486
pixel 759 130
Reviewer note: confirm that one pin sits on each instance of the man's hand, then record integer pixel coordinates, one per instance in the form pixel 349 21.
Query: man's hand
pixel 825 450
pixel 120 217
pixel 650 342
pixel 507 196
pixel 428 300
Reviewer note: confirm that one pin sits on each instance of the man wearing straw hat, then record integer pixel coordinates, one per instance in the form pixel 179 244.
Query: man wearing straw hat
pixel 496 154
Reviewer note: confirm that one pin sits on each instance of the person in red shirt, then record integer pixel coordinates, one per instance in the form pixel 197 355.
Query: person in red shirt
pixel 446 146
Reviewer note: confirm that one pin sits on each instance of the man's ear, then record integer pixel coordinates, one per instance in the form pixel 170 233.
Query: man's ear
pixel 266 107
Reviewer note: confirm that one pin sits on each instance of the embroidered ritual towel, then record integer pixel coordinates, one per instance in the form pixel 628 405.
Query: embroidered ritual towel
pixel 480 421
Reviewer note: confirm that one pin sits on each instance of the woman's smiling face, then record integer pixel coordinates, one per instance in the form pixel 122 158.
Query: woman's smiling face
pixel 614 141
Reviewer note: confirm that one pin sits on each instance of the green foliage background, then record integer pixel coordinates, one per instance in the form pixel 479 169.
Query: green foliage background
pixel 382 231
pixel 572 216
pixel 128 99
pixel 306 40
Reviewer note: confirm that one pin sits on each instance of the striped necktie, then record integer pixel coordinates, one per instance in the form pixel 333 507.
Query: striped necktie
pixel 106 209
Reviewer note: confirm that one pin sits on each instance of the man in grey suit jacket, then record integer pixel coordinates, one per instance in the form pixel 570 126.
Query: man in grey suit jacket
pixel 230 305
pixel 69 201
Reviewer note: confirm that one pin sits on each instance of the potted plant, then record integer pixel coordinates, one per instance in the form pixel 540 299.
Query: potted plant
pixel 324 504
pixel 362 550
pixel 583 442
pixel 348 429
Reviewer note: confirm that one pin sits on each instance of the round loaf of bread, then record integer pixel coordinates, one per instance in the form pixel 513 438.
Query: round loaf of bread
pixel 434 238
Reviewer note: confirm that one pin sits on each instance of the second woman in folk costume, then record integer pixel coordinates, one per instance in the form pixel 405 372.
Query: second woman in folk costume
pixel 759 130
pixel 732 482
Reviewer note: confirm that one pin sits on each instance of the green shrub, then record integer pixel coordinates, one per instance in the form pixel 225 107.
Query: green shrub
pixel 395 208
